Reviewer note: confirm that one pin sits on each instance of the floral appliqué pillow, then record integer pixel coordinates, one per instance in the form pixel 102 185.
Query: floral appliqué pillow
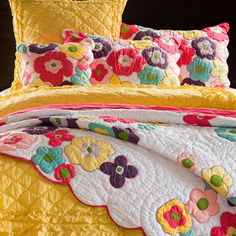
pixel 204 52
pixel 126 62
pixel 56 65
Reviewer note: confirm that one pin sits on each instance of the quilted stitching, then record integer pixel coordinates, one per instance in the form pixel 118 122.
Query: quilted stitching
pixel 52 16
pixel 28 202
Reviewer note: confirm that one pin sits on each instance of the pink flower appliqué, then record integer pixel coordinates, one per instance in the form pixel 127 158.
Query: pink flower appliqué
pixel 170 45
pixel 58 136
pixel 202 204
pixel 125 61
pixel 218 32
pixel 188 161
pixel 198 119
pixel 13 141
pixel 111 119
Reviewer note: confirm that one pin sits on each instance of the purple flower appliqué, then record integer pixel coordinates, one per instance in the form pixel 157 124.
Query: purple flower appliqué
pixel 102 48
pixel 192 82
pixel 155 57
pixel 147 34
pixel 205 48
pixel 38 130
pixel 119 171
pixel 42 48
pixel 72 123
pixel 126 134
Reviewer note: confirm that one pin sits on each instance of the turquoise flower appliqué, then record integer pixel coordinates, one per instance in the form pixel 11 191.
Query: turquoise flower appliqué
pixel 151 75
pixel 80 77
pixel 227 133
pixel 48 158
pixel 200 70
pixel 146 126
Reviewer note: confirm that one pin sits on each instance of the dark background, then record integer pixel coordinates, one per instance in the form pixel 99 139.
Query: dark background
pixel 159 14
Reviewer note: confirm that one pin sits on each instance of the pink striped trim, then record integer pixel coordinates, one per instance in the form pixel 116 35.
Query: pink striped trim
pixel 216 112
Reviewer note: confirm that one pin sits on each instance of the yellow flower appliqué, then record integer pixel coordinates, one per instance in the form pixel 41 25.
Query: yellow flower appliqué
pixel 174 218
pixel 191 34
pixel 37 82
pixel 170 78
pixel 74 50
pixel 141 44
pixel 88 152
pixel 116 81
pixel 218 179
pixel 220 71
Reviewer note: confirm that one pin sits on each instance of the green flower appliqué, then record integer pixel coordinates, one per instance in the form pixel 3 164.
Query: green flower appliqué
pixel 151 75
pixel 48 158
pixel 200 70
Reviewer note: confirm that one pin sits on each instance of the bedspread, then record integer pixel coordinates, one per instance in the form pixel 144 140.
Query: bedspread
pixel 160 160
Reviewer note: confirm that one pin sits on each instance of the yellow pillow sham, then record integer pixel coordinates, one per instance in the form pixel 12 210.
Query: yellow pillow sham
pixel 42 21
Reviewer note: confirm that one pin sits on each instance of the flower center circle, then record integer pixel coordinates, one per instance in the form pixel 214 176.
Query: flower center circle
pixel 65 173
pixel 124 135
pixel 216 180
pixel 99 72
pixel 125 29
pixel 202 204
pixel 199 69
pixel 187 163
pixel 74 36
pixel 58 136
pixel 151 76
pixel 232 131
pixel 200 117
pixel 119 170
pixel 125 60
pixel 42 46
pixel 49 158
pixel 73 49
pixel 53 65
pixel 89 149
pixel 175 217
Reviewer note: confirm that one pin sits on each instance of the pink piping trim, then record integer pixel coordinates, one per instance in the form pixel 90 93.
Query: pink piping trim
pixel 217 112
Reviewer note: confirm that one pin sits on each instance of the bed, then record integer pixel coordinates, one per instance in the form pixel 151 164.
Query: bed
pixel 117 158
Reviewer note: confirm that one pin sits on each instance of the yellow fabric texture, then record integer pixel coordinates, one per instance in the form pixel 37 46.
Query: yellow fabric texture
pixel 179 96
pixel 42 21
pixel 31 205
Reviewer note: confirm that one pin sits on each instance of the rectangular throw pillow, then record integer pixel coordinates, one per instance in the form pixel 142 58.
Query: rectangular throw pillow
pixel 131 62
pixel 204 52
pixel 55 65
pixel 42 21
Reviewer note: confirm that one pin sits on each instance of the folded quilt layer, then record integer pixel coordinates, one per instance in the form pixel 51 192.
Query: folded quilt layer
pixel 159 159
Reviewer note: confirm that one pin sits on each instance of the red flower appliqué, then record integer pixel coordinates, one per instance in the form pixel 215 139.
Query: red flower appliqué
pixel 198 119
pixel 175 217
pixel 125 61
pixel 53 67
pixel 72 36
pixel 228 225
pixel 127 31
pixel 65 173
pixel 58 136
pixel 186 53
